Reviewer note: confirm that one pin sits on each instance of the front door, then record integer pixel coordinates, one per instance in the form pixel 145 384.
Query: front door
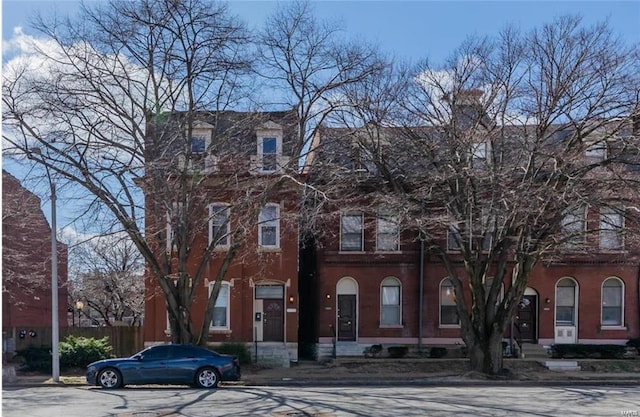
pixel 273 320
pixel 346 317
pixel 527 318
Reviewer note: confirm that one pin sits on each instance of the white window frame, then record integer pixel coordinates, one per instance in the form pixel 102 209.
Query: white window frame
pixel 227 236
pixel 440 305
pixel 262 223
pixel 224 286
pixel 452 244
pixel 620 325
pixel 609 228
pixel 391 282
pixel 342 233
pixel 480 153
pixel 170 247
pixel 391 222
pixel 596 151
pixel 573 306
pixel 261 155
pixel 575 221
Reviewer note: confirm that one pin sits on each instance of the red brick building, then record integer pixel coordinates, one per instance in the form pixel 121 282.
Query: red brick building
pixel 26 265
pixel 258 299
pixel 373 283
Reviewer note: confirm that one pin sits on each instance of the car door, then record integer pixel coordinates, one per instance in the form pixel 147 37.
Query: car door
pixel 182 364
pixel 152 366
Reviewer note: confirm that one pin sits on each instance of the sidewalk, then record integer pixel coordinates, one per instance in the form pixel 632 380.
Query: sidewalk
pixel 345 374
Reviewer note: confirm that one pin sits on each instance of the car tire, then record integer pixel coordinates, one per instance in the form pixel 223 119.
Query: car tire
pixel 109 378
pixel 207 378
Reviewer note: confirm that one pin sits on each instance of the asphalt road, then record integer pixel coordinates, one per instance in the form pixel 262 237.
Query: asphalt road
pixel 84 401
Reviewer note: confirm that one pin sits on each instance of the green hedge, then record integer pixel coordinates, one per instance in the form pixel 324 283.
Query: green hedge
pixel 235 348
pixel 635 342
pixel 78 352
pixel 75 352
pixel 587 351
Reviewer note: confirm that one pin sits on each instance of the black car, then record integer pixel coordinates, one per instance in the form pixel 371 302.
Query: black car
pixel 166 364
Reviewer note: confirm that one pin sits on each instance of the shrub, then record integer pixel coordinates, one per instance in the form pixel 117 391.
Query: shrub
pixel 438 352
pixel 36 358
pixel 397 351
pixel 235 348
pixel 635 342
pixel 587 351
pixel 78 352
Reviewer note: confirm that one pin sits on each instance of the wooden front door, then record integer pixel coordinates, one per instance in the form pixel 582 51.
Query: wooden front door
pixel 273 320
pixel 346 317
pixel 527 319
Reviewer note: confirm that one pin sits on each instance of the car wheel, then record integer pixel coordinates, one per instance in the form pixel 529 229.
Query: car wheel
pixel 207 378
pixel 109 378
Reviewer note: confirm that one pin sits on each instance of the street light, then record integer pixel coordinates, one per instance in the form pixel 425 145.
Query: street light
pixel 55 335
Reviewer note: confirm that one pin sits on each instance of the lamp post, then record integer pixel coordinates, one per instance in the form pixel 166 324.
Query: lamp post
pixel 55 335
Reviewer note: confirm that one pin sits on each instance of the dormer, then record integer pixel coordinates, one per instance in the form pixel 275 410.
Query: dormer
pixel 200 142
pixel 268 158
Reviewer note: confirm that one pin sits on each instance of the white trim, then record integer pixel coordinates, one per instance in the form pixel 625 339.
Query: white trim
pixel 227 224
pixel 352 214
pixel 391 282
pixel 269 223
pixel 574 326
pixel 622 295
pixel 440 324
pixel 227 285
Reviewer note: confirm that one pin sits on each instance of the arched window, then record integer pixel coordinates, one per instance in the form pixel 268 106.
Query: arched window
pixel 612 302
pixel 448 309
pixel 566 302
pixel 390 300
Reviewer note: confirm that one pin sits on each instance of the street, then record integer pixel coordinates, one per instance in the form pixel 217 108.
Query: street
pixel 325 401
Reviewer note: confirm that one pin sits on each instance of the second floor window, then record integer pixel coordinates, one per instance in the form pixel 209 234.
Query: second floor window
pixel 387 237
pixel 219 224
pixel 269 154
pixel 269 226
pixel 573 227
pixel 351 232
pixel 611 229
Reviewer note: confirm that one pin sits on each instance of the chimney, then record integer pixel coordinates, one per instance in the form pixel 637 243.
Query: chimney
pixel 466 108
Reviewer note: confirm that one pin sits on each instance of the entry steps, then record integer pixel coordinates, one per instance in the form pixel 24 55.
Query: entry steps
pixel 533 351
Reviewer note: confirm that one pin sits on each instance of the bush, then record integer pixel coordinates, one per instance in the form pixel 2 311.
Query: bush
pixel 635 342
pixel 397 351
pixel 587 351
pixel 235 348
pixel 438 352
pixel 36 359
pixel 78 352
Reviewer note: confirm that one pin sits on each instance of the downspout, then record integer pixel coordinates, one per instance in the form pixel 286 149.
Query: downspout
pixel 421 296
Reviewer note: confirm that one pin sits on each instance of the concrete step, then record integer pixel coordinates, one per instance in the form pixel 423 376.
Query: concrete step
pixel 534 351
pixel 560 365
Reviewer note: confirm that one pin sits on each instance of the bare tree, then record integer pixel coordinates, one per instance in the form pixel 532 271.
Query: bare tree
pixel 488 156
pixel 108 278
pixel 310 62
pixel 123 92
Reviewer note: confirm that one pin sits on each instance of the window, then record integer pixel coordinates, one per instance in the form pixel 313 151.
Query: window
pixel 198 145
pixel 220 319
pixel 566 302
pixel 612 302
pixel 219 224
pixel 479 154
pixel 453 237
pixel 387 239
pixel 268 153
pixel 269 226
pixel 596 151
pixel 448 309
pixel 611 225
pixel 175 219
pixel 351 232
pixel 574 226
pixel 391 301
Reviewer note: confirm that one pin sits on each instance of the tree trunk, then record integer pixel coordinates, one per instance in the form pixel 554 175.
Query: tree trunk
pixel 486 354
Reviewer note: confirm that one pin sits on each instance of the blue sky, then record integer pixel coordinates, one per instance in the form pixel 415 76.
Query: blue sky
pixel 407 29
pixel 411 30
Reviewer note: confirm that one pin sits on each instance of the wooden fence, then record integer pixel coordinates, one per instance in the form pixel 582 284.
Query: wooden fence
pixel 125 340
